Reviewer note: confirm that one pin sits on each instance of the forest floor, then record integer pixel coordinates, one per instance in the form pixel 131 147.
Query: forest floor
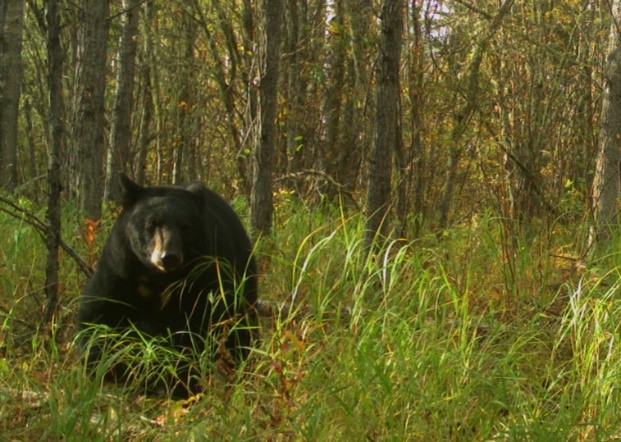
pixel 480 334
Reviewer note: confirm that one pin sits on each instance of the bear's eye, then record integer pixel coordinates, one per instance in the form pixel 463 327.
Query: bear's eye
pixel 186 227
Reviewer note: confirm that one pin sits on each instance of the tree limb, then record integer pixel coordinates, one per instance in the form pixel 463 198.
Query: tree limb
pixel 341 188
pixel 31 219
pixel 474 9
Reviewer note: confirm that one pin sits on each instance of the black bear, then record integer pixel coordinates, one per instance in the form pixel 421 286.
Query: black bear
pixel 178 264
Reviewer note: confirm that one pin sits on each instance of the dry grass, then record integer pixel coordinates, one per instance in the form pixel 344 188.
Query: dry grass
pixel 467 337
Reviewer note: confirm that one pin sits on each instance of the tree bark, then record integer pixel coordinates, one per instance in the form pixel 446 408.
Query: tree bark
pixel 55 58
pixel 334 71
pixel 294 91
pixel 358 121
pixel 120 132
pixel 88 127
pixel 261 202
pixel 11 27
pixel 146 95
pixel 185 101
pixel 245 162
pixel 411 161
pixel 606 181
pixel 386 120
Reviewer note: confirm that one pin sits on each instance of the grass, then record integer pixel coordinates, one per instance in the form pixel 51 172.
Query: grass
pixel 478 335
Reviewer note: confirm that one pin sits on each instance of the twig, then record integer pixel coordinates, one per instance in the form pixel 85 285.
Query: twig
pixel 474 9
pixel 341 188
pixel 6 312
pixel 41 226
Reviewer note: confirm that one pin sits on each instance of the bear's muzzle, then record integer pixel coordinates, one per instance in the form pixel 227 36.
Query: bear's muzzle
pixel 167 250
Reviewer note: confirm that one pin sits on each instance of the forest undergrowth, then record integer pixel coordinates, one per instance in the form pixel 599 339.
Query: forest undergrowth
pixel 485 332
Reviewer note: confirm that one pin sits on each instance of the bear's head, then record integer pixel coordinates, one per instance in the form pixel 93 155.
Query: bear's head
pixel 162 223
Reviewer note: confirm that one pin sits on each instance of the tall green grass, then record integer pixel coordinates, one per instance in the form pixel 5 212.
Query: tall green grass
pixel 465 337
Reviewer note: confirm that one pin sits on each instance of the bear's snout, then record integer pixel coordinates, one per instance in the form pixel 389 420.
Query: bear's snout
pixel 171 261
pixel 167 251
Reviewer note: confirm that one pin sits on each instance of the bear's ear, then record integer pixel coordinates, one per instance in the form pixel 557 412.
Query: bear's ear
pixel 130 191
pixel 197 189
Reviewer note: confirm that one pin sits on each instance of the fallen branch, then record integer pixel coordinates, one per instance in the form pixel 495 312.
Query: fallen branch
pixel 40 226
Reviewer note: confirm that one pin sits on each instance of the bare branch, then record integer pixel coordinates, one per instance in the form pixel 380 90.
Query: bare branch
pixel 31 219
pixel 473 8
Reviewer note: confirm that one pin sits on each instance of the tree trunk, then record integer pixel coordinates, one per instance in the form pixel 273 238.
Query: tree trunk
pixel 55 57
pixel 31 162
pixel 88 127
pixel 303 47
pixel 120 132
pixel 606 180
pixel 245 163
pixel 146 117
pixel 152 30
pixel 358 120
pixel 261 202
pixel 226 77
pixel 334 70
pixel 386 120
pixel 411 161
pixel 146 95
pixel 294 93
pixel 185 101
pixel 11 27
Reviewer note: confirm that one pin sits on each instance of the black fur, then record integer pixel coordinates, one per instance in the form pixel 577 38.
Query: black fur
pixel 194 297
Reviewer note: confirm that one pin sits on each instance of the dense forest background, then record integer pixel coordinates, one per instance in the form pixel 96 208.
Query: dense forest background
pixel 497 105
pixel 441 176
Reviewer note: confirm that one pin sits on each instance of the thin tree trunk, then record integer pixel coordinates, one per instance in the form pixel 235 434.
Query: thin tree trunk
pixel 334 70
pixel 120 131
pixel 358 119
pixel 55 57
pixel 88 129
pixel 147 99
pixel 245 165
pixel 31 162
pixel 261 202
pixel 606 180
pixel 411 161
pixel 386 120
pixel 295 95
pixel 185 101
pixel 465 113
pixel 227 92
pixel 302 45
pixel 11 27
pixel 146 117
pixel 151 31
